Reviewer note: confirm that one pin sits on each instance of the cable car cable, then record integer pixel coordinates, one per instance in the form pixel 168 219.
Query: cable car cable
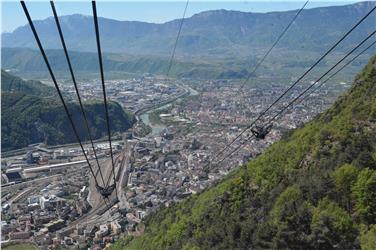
pixel 313 84
pixel 326 73
pixel 95 17
pixel 272 47
pixel 258 64
pixel 340 69
pixel 55 83
pixel 295 83
pixel 75 86
pixel 177 39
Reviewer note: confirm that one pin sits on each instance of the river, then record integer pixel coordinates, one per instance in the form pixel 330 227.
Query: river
pixel 157 128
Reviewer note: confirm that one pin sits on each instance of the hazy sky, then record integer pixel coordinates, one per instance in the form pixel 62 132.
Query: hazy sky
pixel 12 15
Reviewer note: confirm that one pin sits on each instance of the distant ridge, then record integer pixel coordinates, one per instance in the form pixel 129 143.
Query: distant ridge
pixel 210 33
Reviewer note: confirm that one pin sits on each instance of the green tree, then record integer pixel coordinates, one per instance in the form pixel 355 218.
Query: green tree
pixel 368 239
pixel 344 177
pixel 332 227
pixel 364 191
pixel 290 216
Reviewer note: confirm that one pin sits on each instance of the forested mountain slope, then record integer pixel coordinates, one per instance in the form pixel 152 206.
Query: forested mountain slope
pixel 316 189
pixel 13 83
pixel 27 119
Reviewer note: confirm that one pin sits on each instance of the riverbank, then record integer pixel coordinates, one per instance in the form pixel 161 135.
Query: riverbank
pixel 144 113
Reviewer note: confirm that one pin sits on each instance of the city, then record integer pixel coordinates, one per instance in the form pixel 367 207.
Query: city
pixel 188 125
pixel 50 200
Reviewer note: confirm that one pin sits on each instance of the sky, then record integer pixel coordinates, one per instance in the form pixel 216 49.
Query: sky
pixel 154 11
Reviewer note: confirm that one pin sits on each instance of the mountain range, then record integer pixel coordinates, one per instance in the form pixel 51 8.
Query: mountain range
pixel 217 33
pixel 218 44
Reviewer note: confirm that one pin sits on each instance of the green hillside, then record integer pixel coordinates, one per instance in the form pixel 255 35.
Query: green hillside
pixel 316 189
pixel 13 83
pixel 27 119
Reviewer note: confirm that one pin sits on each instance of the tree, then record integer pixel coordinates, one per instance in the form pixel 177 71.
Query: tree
pixel 368 239
pixel 332 227
pixel 344 178
pixel 364 191
pixel 291 216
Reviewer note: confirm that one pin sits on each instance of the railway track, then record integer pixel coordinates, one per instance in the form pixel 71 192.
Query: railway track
pixel 97 214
